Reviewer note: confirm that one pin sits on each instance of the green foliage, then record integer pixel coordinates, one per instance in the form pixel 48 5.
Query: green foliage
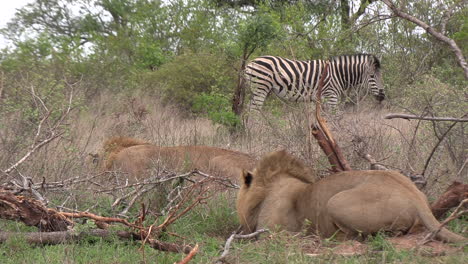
pixel 189 75
pixel 217 108
pixel 257 32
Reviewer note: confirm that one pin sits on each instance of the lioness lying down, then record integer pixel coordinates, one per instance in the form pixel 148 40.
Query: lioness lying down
pixel 281 192
pixel 136 157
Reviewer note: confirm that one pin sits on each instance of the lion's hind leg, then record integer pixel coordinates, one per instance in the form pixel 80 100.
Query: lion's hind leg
pixel 365 210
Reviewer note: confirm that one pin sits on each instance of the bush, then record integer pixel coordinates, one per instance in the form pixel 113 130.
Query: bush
pixel 217 108
pixel 189 75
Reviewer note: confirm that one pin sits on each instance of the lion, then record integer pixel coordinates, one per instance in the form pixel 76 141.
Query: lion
pixel 281 192
pixel 135 157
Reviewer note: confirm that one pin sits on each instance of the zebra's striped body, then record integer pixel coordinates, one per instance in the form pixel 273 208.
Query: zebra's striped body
pixel 297 81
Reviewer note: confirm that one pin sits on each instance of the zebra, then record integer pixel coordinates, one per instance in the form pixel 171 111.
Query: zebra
pixel 297 81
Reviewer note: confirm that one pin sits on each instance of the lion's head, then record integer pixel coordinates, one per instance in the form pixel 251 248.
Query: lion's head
pixel 104 159
pixel 258 185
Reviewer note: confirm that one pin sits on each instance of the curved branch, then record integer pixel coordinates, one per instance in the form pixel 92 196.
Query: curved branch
pixel 436 146
pixel 440 36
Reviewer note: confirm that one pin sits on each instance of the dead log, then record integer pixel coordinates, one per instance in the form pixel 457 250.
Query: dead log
pixel 451 198
pixel 32 213
pixel 322 133
pixel 53 238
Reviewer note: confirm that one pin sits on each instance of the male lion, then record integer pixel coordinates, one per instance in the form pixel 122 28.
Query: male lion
pixel 281 192
pixel 135 157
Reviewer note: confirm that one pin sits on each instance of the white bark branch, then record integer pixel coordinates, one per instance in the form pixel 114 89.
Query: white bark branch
pixel 227 246
pixel 406 116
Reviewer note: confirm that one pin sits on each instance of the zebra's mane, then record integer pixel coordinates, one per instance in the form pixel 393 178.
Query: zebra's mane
pixel 376 60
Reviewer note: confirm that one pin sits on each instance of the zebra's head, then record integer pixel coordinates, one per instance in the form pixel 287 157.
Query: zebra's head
pixel 375 81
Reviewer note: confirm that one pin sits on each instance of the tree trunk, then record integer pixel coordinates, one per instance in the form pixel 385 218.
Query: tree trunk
pixel 239 93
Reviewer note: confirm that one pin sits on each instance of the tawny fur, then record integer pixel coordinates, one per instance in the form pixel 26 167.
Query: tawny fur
pixel 280 192
pixel 136 158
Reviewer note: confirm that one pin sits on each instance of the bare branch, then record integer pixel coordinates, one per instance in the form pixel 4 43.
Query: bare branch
pixel 34 149
pixel 53 132
pixel 432 118
pixel 440 36
pixel 436 146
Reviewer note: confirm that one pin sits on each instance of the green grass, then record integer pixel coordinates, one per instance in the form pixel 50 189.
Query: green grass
pixel 208 225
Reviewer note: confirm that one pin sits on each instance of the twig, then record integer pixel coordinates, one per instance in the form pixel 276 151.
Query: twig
pixel 100 218
pixel 133 200
pixel 227 246
pixel 27 183
pixel 172 217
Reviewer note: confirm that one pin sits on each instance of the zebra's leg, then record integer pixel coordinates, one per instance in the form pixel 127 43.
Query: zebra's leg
pixel 252 117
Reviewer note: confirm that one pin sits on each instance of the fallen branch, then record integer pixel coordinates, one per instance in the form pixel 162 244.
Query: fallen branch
pixel 432 118
pixel 32 213
pixel 100 218
pixel 53 238
pixel 227 246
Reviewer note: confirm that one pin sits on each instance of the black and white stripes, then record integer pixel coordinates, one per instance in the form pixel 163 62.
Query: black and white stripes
pixel 297 81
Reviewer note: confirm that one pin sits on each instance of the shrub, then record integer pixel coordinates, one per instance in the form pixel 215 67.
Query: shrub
pixel 189 75
pixel 217 108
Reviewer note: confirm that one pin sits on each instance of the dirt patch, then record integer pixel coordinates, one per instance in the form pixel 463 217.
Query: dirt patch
pixel 405 242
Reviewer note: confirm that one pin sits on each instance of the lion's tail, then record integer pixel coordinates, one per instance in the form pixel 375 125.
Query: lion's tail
pixel 432 224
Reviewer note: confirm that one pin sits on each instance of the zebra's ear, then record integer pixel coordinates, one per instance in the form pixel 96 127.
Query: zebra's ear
pixel 247 178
